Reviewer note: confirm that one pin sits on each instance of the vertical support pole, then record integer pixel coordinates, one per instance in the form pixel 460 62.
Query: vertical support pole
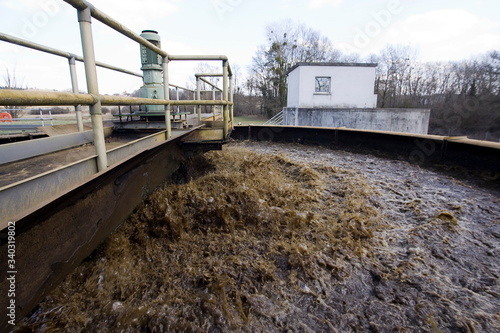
pixel 198 97
pixel 74 85
pixel 166 89
pixel 231 99
pixel 225 97
pixel 84 18
pixel 177 95
pixel 214 107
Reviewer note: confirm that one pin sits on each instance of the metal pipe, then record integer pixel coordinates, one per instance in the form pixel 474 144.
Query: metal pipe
pixel 210 83
pixel 123 100
pixel 202 57
pixel 198 97
pixel 39 98
pixel 31 45
pixel 225 97
pixel 115 25
pixel 197 57
pixel 166 89
pixel 209 75
pixel 176 86
pixel 56 52
pixel 177 95
pixel 231 99
pixel 74 85
pixel 84 18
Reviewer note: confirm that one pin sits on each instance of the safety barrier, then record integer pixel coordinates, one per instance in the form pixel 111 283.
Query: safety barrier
pixel 25 123
pixel 87 11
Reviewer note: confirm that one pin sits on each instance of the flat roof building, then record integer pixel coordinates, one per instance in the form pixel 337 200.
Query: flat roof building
pixel 343 95
pixel 332 85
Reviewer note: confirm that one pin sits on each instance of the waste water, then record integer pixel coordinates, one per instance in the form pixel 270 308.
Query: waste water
pixel 269 237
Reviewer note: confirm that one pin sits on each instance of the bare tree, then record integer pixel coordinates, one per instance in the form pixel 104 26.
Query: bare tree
pixel 287 44
pixel 12 82
pixel 394 75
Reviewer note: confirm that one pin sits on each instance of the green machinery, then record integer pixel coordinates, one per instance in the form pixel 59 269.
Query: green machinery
pixel 152 71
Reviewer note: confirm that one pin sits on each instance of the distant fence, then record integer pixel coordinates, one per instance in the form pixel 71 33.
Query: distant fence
pixel 25 123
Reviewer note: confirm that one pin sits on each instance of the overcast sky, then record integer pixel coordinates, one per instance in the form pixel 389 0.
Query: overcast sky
pixel 441 30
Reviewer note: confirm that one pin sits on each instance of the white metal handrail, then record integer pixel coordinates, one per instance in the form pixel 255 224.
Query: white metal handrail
pixel 277 119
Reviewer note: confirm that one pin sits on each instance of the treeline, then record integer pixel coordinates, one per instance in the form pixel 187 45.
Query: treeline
pixel 464 96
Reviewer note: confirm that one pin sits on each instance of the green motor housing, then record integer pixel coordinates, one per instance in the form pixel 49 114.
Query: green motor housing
pixel 152 72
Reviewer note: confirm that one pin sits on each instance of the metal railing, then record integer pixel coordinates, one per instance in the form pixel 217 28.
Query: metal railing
pixel 86 11
pixel 277 119
pixel 20 123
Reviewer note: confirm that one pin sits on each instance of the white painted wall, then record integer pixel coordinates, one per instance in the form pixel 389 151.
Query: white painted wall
pixel 352 86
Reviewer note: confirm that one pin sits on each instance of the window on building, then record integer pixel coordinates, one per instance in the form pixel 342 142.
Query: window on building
pixel 322 84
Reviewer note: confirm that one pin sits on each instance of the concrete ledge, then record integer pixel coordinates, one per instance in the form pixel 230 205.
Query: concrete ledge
pixel 415 148
pixel 407 120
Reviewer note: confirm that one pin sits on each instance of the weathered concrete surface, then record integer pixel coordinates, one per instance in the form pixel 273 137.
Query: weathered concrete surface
pixel 397 120
pixel 415 148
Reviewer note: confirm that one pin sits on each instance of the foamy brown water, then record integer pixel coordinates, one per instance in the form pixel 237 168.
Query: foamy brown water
pixel 275 238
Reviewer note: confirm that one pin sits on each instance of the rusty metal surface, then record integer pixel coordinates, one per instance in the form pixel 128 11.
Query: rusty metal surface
pixel 20 150
pixel 121 100
pixel 54 238
pixel 21 197
pixel 205 134
pixel 35 97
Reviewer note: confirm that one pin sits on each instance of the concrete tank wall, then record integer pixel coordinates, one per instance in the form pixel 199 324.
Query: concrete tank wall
pixel 395 120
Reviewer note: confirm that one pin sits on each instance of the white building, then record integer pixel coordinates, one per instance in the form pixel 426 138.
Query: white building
pixel 332 85
pixel 343 95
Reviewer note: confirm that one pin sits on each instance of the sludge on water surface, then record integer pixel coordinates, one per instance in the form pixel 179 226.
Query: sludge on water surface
pixel 268 239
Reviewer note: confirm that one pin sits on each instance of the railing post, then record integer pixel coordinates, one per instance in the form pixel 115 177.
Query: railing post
pixel 215 108
pixel 84 18
pixel 231 99
pixel 198 97
pixel 177 96
pixel 74 85
pixel 166 89
pixel 225 97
